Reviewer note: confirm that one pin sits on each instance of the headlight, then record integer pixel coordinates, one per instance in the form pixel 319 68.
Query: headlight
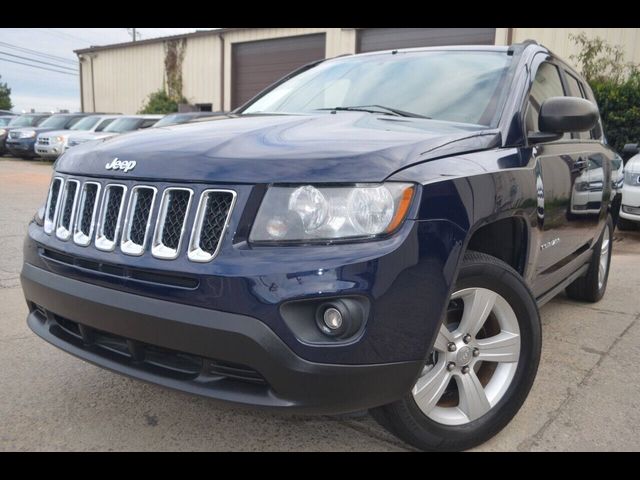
pixel 28 134
pixel 39 216
pixel 59 139
pixel 582 186
pixel 631 178
pixel 2 131
pixel 314 213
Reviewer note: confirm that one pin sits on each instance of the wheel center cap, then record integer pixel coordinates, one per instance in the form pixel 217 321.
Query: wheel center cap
pixel 464 356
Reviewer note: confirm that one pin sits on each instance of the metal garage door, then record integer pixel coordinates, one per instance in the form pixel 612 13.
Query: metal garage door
pixel 372 39
pixel 255 65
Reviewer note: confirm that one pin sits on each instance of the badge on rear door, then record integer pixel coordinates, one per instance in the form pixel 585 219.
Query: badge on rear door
pixel 124 165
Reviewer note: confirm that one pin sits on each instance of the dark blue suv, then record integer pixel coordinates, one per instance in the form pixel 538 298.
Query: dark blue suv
pixel 374 231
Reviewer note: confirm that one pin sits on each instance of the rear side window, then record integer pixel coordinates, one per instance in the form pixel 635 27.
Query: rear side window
pixel 104 124
pixel 575 90
pixel 148 123
pixel 547 84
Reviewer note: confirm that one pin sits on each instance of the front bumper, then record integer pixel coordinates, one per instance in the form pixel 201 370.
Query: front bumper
pixel 21 147
pixel 49 151
pixel 630 208
pixel 217 354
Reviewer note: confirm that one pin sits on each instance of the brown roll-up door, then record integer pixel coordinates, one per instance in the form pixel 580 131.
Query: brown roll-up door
pixel 372 39
pixel 256 65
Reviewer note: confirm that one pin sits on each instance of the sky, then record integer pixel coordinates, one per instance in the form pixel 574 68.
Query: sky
pixel 48 90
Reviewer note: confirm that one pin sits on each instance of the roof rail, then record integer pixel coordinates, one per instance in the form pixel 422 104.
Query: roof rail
pixel 518 47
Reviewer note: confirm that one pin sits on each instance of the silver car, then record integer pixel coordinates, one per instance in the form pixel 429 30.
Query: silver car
pixel 126 123
pixel 53 144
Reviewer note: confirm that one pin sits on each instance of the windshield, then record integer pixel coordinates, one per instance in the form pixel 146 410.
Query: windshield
pixel 123 125
pixel 24 121
pixel 57 121
pixel 87 123
pixel 456 86
pixel 174 119
pixel 4 121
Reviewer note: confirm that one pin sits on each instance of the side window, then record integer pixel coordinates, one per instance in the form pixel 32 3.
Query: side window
pixel 546 84
pixel 148 123
pixel 575 90
pixel 104 124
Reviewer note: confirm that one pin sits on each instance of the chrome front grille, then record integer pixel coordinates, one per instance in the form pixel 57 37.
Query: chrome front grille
pixel 43 140
pixel 112 215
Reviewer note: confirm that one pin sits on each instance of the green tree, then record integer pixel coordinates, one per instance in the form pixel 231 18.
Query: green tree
pixel 5 96
pixel 160 102
pixel 616 86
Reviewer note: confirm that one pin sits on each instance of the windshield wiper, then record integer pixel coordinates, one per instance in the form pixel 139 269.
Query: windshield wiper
pixel 376 109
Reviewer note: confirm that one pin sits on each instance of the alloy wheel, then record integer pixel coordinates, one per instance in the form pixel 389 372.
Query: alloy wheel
pixel 474 359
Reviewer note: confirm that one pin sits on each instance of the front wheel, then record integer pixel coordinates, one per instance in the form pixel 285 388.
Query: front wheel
pixel 482 366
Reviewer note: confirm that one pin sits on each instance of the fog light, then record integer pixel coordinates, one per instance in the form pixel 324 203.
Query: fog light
pixel 332 318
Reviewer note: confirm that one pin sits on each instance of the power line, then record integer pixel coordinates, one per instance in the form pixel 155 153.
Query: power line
pixel 40 54
pixel 35 66
pixel 39 61
pixel 51 31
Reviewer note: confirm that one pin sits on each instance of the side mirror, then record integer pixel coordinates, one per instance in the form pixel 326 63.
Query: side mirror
pixel 631 149
pixel 559 115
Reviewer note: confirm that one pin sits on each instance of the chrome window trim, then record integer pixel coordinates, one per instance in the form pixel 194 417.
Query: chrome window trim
pixel 126 245
pixel 195 253
pixel 50 224
pixel 158 249
pixel 101 242
pixel 80 238
pixel 63 233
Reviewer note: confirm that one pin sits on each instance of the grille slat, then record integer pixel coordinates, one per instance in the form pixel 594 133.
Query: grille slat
pixel 110 216
pixel 67 207
pixel 172 230
pixel 212 218
pixel 137 220
pixel 86 213
pixel 51 210
pixel 170 225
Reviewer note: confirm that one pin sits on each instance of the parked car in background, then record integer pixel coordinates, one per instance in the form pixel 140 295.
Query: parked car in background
pixel 630 210
pixel 52 144
pixel 26 120
pixel 21 141
pixel 4 122
pixel 8 112
pixel 123 124
pixel 186 117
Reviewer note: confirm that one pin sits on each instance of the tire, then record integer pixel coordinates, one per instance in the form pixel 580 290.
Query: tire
pixel 624 224
pixel 592 286
pixel 448 426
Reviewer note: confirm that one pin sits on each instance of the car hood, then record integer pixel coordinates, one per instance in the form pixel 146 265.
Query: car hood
pixel 341 147
pixel 633 164
pixel 91 135
pixel 53 133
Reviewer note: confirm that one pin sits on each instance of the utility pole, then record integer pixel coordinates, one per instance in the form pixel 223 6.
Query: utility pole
pixel 133 33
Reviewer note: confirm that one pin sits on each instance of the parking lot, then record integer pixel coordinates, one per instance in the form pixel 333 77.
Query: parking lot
pixel 585 396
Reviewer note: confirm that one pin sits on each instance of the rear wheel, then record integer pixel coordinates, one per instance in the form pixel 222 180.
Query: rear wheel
pixel 591 287
pixel 482 366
